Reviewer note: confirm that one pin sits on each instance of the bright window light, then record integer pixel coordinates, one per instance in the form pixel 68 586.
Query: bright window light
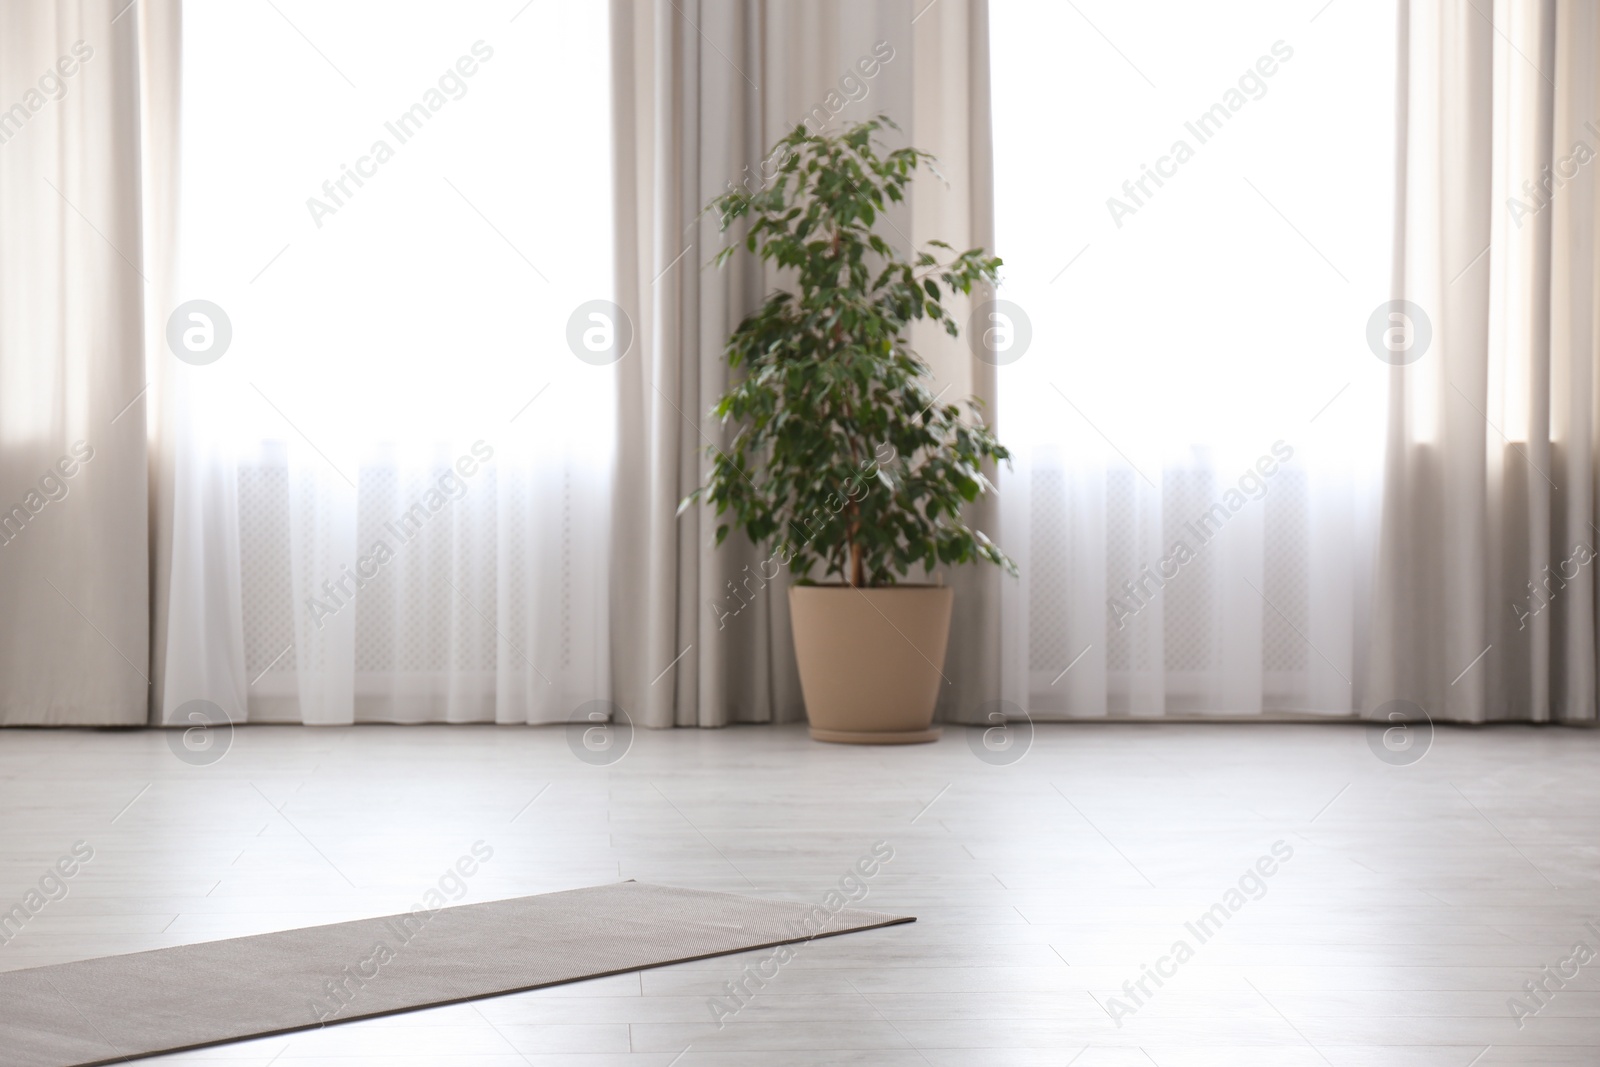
pixel 1194 204
pixel 399 206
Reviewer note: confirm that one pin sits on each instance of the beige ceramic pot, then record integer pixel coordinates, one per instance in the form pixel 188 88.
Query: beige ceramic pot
pixel 871 660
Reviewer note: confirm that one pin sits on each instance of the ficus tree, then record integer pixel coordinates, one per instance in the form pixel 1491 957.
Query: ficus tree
pixel 843 459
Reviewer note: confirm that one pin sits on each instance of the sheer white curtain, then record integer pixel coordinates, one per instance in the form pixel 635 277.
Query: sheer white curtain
pixel 1194 207
pixel 400 461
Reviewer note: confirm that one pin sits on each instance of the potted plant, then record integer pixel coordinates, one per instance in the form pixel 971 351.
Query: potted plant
pixel 844 461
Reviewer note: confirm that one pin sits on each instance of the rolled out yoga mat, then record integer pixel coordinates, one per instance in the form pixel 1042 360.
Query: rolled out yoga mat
pixel 120 1007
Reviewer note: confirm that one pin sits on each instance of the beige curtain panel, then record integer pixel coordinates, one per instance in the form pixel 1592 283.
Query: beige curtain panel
pixel 74 282
pixel 1484 596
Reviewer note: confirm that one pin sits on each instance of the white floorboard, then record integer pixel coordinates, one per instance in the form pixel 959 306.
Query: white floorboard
pixel 1418 898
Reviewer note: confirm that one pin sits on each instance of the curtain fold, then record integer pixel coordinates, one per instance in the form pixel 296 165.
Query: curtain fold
pixel 701 90
pixel 1485 588
pixel 73 285
pixel 197 647
pixel 952 119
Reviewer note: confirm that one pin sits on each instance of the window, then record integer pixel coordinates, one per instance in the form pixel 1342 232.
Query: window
pixel 1194 206
pixel 402 210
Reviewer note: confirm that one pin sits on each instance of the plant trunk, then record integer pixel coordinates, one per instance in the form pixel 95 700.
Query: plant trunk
pixel 858 574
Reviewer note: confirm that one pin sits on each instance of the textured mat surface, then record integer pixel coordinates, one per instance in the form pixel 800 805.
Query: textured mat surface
pixel 118 1007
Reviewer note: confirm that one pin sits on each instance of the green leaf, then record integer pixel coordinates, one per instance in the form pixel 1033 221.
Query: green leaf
pixel 837 446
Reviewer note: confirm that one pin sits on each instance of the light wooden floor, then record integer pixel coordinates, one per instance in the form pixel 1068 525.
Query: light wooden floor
pixel 1417 901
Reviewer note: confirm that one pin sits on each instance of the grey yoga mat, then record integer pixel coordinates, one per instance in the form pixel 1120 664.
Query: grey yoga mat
pixel 119 1007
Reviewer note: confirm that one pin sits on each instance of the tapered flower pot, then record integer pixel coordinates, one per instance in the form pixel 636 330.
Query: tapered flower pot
pixel 871 660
